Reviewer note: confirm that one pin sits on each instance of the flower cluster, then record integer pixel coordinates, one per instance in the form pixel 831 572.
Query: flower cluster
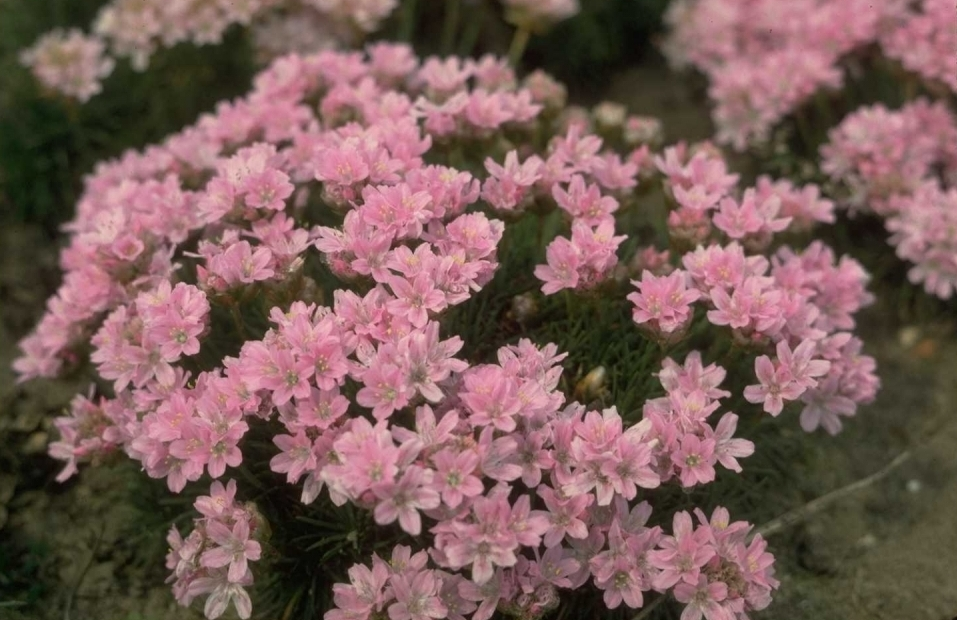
pixel 74 64
pixel 69 62
pixel 801 302
pixel 716 572
pixel 924 232
pixel 285 268
pixel 902 166
pixel 712 568
pixel 877 153
pixel 136 29
pixel 925 40
pixel 765 59
pixel 214 559
pixel 505 439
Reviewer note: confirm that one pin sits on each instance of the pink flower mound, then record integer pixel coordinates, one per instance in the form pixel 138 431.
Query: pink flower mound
pixel 876 153
pixel 73 63
pixel 752 95
pixel 190 282
pixel 925 40
pixel 765 58
pixel 69 62
pixel 569 457
pixel 802 304
pixel 902 165
pixel 924 232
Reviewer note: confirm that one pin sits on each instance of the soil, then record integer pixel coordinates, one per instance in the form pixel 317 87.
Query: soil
pixel 889 551
pixel 89 549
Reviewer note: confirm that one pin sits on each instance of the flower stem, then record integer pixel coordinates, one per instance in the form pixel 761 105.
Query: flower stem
pixel 650 607
pixel 407 21
pixel 453 14
pixel 519 43
pixel 470 34
pixel 238 321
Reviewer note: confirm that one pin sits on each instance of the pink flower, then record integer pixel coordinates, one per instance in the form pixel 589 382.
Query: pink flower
pixel 296 457
pixel 754 219
pixel 585 203
pixel 703 598
pixel 224 594
pixel 728 449
pixel 454 478
pixel 561 272
pixel 235 548
pixel 369 458
pixel 396 209
pixel 776 386
pixel 485 543
pixel 507 187
pixel 799 365
pixel 384 390
pixel 565 515
pixel 732 310
pixel 557 566
pixel 416 597
pixel 404 498
pixel 239 264
pixel 220 502
pixel 682 555
pixel 268 189
pixel 664 302
pixel 69 62
pixel 491 397
pixel 622 570
pixel 824 405
pixel 426 360
pixel 693 376
pixel 415 299
pixel 341 166
pixel 363 595
pixel 695 460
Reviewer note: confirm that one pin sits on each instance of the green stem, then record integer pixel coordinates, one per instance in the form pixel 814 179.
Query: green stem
pixel 238 321
pixel 473 27
pixel 804 130
pixel 519 43
pixel 407 20
pixel 644 613
pixel 453 15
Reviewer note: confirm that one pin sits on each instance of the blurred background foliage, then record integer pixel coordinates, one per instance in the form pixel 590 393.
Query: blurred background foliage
pixel 47 143
pixel 606 37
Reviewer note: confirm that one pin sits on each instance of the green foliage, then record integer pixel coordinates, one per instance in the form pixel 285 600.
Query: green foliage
pixel 606 36
pixel 20 564
pixel 583 51
pixel 47 143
